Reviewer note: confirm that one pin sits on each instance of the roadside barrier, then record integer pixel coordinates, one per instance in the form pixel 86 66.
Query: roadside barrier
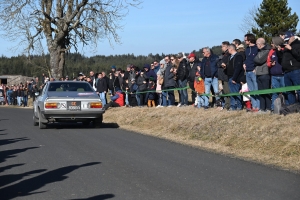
pixel 256 92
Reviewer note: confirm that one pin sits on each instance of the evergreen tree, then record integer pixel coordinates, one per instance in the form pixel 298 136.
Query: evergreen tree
pixel 273 16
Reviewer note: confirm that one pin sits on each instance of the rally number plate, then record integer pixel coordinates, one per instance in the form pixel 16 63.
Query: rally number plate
pixel 74 105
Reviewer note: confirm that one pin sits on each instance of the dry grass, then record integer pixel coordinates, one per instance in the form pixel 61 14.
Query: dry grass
pixel 263 138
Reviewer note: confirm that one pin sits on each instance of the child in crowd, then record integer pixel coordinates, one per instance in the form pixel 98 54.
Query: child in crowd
pixel 150 96
pixel 246 98
pixel 199 88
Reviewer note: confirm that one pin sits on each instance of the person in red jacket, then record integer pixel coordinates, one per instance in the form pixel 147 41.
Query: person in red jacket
pixel 117 100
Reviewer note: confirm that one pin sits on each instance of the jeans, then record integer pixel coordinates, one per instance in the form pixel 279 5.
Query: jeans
pixel 9 100
pixel 252 85
pixel 290 79
pixel 183 93
pixel 102 98
pixel 126 99
pixel 263 83
pixel 200 100
pixel 19 100
pixel 168 97
pixel 25 100
pixel 276 82
pixel 235 101
pixel 208 83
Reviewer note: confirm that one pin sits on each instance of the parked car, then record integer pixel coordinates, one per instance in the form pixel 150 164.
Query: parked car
pixel 67 101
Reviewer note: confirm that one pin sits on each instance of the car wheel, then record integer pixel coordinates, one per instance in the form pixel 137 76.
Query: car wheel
pixel 41 124
pixel 97 122
pixel 35 121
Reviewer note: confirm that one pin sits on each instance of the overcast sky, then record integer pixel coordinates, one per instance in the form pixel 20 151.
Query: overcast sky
pixel 174 26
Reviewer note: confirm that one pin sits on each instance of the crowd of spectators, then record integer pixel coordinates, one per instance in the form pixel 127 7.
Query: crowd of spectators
pixel 240 68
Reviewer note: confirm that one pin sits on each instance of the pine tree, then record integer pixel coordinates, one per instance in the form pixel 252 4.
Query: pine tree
pixel 273 16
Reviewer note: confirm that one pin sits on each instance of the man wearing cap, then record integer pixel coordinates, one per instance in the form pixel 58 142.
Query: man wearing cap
pixel 192 69
pixel 291 64
pixel 182 73
pixel 209 70
pixel 150 72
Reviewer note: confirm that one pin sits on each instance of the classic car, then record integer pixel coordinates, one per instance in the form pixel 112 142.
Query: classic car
pixel 67 101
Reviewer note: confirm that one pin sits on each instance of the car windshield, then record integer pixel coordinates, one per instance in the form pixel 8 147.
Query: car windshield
pixel 70 87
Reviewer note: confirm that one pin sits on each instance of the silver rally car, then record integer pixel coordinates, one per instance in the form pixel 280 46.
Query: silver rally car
pixel 67 101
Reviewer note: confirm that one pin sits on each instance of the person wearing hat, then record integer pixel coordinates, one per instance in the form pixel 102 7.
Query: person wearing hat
pixel 291 64
pixel 276 72
pixel 150 72
pixel 117 100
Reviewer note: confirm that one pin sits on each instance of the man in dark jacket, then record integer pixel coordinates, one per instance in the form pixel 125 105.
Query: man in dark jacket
pixel 234 70
pixel 222 77
pixel 209 70
pixel 182 74
pixel 101 88
pixel 169 83
pixel 291 64
pixel 192 69
pixel 150 72
pixel 249 67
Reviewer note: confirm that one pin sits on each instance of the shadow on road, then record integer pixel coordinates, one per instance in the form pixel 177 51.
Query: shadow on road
pixel 12 153
pixel 98 197
pixel 2 169
pixel 9 141
pixel 26 187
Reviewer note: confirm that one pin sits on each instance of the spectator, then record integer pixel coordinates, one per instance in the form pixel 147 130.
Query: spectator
pixel 277 75
pixel 101 88
pixel 25 96
pixel 291 64
pixel 192 68
pixel 182 75
pixel 117 100
pixel 222 77
pixel 199 88
pixel 142 83
pixel 249 67
pixel 149 72
pixel 156 66
pixel 160 74
pixel 209 70
pixel 169 83
pixel 150 96
pixel 262 74
pixel 234 71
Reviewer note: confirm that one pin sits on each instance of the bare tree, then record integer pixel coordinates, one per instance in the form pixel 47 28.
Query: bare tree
pixel 248 21
pixel 63 24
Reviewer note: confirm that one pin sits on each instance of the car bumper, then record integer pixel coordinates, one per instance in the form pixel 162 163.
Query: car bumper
pixel 54 114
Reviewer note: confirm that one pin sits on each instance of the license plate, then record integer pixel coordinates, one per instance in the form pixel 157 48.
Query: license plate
pixel 73 105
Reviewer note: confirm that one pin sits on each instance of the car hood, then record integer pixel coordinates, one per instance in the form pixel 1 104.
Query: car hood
pixel 73 94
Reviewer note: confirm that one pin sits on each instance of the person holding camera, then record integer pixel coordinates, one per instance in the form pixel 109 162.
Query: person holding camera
pixel 290 55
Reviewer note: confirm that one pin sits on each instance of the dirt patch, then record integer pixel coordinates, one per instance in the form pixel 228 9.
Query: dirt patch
pixel 269 139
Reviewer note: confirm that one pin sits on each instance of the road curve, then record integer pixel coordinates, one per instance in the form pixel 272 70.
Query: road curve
pixel 71 162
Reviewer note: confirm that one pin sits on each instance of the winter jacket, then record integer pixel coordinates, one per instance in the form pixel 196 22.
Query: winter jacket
pixel 140 82
pixel 235 68
pixel 118 98
pixel 260 61
pixel 192 69
pixel 291 58
pixel 275 70
pixel 169 77
pixel 101 85
pixel 224 59
pixel 182 71
pixel 210 62
pixel 250 53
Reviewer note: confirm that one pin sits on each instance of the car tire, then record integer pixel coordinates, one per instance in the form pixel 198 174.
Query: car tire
pixel 98 122
pixel 35 120
pixel 41 124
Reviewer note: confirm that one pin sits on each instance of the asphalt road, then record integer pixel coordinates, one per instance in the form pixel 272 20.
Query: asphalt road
pixel 71 162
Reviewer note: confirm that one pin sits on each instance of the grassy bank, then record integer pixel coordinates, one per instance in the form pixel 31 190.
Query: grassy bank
pixel 269 139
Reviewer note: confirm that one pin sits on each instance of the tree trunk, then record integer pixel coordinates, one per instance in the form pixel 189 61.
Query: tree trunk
pixel 57 62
